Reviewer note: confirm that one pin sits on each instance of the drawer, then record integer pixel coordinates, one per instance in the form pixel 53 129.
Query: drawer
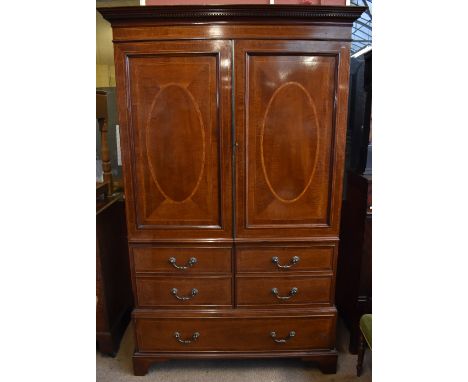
pixel 286 259
pixel 179 260
pixel 283 290
pixel 235 334
pixel 184 291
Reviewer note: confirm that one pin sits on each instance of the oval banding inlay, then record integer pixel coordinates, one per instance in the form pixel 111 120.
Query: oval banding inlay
pixel 175 143
pixel 289 142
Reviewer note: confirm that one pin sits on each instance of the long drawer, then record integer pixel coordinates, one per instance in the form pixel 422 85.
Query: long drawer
pixel 180 292
pixel 283 290
pixel 285 259
pixel 181 260
pixel 235 334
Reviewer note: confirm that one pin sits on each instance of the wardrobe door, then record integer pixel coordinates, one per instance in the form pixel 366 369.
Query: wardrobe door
pixel 175 115
pixel 291 102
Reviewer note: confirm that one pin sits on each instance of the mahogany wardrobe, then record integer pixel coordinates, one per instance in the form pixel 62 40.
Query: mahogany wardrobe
pixel 233 122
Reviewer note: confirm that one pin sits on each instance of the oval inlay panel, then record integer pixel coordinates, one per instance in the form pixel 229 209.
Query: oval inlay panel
pixel 289 142
pixel 175 143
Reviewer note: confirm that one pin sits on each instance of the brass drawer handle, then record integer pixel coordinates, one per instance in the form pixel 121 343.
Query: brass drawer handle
pixel 192 261
pixel 193 293
pixel 292 333
pixel 291 293
pixel 194 338
pixel 293 261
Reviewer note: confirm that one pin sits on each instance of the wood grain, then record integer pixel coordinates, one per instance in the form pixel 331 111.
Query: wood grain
pixel 177 165
pixel 156 291
pixel 259 259
pixel 257 290
pixel 240 334
pixel 233 123
pixel 208 260
pixel 298 195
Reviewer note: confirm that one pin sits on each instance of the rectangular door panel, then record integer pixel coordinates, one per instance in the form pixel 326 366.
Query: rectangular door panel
pixel 290 132
pixel 175 113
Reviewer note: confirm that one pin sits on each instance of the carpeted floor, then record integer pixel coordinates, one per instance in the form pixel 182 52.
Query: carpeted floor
pixel 288 370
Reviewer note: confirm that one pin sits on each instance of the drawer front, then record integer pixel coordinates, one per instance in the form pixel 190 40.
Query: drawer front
pixel 287 259
pixel 235 334
pixel 283 290
pixel 182 260
pixel 184 292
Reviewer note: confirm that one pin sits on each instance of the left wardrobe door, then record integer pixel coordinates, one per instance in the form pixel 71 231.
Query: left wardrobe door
pixel 174 101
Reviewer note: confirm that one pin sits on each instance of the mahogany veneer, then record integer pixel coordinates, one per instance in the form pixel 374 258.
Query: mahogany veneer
pixel 278 291
pixel 291 259
pixel 233 124
pixel 197 260
pixel 189 291
pixel 236 334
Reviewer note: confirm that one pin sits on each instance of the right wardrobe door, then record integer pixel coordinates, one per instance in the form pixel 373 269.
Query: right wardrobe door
pixel 290 124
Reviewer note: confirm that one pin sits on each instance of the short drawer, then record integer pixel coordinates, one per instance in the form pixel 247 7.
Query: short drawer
pixel 286 259
pixel 184 292
pixel 179 260
pixel 283 290
pixel 235 334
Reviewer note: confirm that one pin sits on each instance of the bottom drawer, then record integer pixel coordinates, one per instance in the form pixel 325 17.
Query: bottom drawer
pixel 265 333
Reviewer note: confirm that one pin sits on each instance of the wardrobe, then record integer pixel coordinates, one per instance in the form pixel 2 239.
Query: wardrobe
pixel 233 122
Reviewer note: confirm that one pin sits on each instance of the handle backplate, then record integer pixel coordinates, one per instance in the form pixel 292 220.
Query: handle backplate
pixel 189 341
pixel 193 293
pixel 192 261
pixel 291 293
pixel 291 334
pixel 294 260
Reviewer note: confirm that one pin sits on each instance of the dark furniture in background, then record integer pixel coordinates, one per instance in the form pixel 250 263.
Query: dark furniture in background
pixel 358 136
pixel 114 299
pixel 233 123
pixel 113 285
pixel 354 275
pixel 367 130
